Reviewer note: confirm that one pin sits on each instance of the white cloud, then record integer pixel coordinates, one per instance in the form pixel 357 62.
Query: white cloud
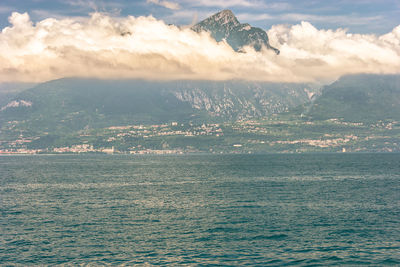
pixel 392 37
pixel 224 3
pixel 166 4
pixel 144 47
pixel 326 53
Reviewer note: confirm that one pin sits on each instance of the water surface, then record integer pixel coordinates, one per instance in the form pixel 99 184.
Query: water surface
pixel 305 209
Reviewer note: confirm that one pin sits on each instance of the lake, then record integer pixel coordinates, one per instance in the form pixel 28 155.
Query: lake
pixel 225 210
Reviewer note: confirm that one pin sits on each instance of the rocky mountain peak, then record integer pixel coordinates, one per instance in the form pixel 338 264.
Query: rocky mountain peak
pixel 225 26
pixel 225 16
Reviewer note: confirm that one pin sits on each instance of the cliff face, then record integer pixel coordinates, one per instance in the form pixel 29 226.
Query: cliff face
pixel 239 100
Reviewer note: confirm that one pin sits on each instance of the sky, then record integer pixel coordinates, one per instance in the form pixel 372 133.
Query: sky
pixel 319 40
pixel 359 16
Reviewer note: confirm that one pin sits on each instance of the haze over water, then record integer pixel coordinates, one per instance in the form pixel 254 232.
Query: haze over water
pixel 319 209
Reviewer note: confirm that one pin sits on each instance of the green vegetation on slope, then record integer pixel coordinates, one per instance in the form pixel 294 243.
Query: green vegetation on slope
pixel 366 98
pixel 355 114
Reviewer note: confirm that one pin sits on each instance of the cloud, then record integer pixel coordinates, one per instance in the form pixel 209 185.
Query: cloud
pixel 82 3
pixel 239 3
pixel 187 16
pixel 335 19
pixel 254 17
pixel 224 3
pixel 295 17
pixel 144 47
pixel 166 4
pixel 327 53
pixel 5 10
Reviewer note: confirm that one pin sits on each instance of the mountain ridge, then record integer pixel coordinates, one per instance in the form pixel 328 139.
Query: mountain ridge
pixel 91 115
pixel 361 97
pixel 228 100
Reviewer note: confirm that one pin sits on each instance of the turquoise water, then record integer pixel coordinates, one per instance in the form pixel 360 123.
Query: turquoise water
pixel 310 209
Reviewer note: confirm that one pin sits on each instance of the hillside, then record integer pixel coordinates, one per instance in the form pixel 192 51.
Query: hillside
pixel 358 98
pixel 356 113
pixel 73 104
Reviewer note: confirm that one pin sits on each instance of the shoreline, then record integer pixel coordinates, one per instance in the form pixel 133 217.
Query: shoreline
pixel 197 153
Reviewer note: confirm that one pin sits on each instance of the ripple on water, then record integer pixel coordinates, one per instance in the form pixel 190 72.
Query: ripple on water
pixel 200 210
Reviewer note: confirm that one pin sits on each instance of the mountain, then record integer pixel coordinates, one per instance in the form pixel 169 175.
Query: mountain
pixel 358 98
pixel 225 26
pixel 356 113
pixel 73 104
pixel 237 100
pixel 9 90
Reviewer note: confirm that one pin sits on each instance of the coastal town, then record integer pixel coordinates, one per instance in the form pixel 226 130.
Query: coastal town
pixel 245 136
